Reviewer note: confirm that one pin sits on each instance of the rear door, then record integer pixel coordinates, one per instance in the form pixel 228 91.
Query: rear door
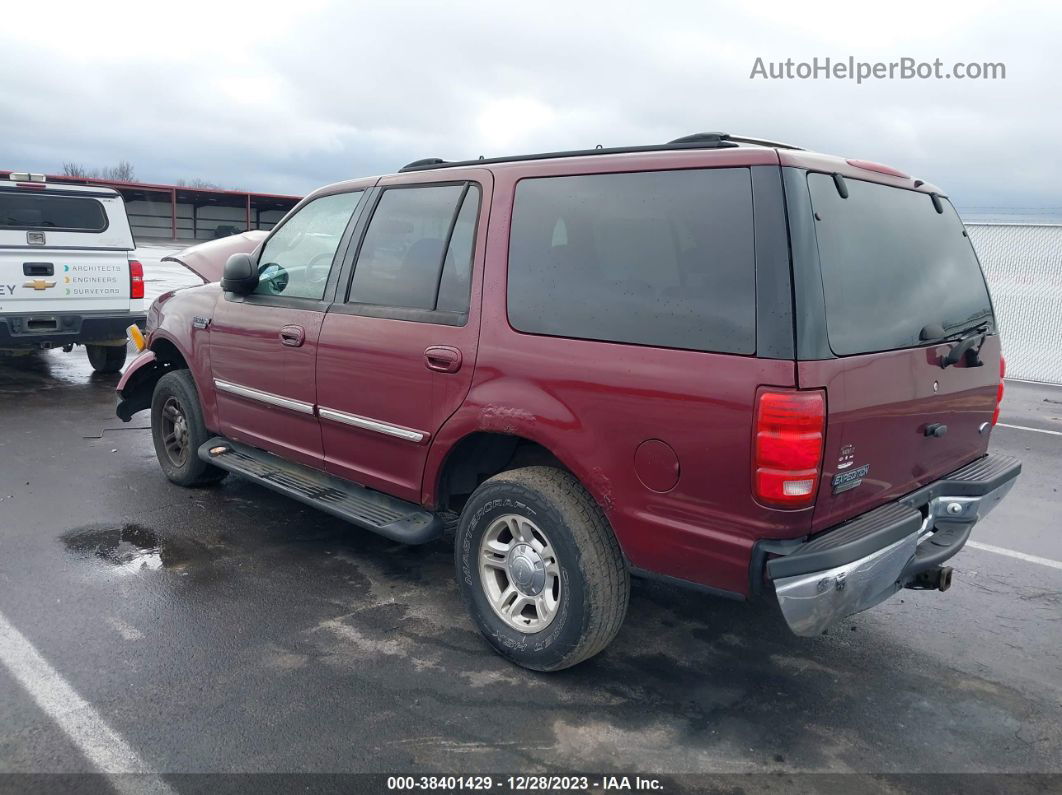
pixel 263 346
pixel 63 250
pixel 894 264
pixel 398 348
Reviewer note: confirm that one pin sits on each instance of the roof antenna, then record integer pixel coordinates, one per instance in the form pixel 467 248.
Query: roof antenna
pixel 599 146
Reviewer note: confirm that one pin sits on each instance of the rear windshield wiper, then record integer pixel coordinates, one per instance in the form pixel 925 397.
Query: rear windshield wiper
pixel 966 338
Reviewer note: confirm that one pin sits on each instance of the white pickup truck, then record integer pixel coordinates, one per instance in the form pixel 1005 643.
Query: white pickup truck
pixel 67 272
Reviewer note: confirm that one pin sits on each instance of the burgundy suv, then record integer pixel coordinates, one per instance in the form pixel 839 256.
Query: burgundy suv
pixel 721 361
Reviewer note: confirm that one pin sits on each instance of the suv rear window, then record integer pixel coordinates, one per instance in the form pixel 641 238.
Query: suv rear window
pixel 891 265
pixel 20 209
pixel 661 258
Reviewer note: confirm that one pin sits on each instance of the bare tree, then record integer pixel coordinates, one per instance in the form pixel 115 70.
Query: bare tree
pixel 123 172
pixel 75 170
pixel 195 182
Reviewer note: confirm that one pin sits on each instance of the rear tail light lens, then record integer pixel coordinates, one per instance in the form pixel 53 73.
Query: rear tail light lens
pixel 787 452
pixel 136 279
pixel 999 389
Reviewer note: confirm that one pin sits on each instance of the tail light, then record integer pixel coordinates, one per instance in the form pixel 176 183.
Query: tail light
pixel 787 451
pixel 136 279
pixel 999 389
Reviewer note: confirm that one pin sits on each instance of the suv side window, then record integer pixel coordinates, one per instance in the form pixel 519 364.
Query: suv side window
pixel 661 258
pixel 417 250
pixel 296 260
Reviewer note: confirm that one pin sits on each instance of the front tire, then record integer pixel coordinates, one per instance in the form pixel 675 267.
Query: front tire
pixel 178 431
pixel 540 569
pixel 106 358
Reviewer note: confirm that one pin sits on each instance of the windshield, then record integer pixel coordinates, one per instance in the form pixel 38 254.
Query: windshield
pixel 891 266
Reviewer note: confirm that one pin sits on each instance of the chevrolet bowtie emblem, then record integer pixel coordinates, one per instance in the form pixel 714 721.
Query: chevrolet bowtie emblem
pixel 39 284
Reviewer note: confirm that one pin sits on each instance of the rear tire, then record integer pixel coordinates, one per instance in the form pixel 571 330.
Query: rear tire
pixel 539 568
pixel 106 358
pixel 178 431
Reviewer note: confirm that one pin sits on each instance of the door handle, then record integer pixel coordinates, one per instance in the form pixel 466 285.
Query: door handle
pixel 293 336
pixel 442 359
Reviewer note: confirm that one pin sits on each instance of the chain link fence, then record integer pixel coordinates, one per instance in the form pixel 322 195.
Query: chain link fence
pixel 1023 265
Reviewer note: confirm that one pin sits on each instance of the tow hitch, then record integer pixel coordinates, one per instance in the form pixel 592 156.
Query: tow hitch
pixel 937 578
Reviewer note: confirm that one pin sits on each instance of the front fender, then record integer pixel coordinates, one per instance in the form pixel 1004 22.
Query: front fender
pixel 137 384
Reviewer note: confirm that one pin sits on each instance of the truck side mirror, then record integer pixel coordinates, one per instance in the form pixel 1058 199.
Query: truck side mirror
pixel 240 275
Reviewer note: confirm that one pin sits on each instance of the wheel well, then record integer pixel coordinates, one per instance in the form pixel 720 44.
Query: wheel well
pixel 136 396
pixel 482 455
pixel 166 353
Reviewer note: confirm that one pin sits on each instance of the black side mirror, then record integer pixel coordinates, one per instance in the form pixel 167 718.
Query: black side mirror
pixel 240 275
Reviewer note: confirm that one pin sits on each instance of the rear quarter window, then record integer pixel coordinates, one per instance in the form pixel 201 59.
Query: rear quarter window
pixel 891 265
pixel 22 209
pixel 661 258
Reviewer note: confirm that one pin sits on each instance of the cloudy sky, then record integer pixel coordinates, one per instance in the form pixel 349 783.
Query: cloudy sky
pixel 284 98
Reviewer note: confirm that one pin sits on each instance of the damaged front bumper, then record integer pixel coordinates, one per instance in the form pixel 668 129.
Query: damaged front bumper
pixel 859 564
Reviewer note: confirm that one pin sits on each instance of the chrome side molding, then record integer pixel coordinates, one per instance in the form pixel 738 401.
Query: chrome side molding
pixel 301 407
pixel 264 397
pixel 371 425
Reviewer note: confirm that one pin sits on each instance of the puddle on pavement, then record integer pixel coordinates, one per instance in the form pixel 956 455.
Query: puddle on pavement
pixel 39 370
pixel 131 548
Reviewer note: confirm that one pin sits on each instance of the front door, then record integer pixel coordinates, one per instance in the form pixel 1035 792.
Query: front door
pixel 398 347
pixel 263 346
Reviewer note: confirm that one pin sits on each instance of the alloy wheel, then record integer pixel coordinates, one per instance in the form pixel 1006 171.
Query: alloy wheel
pixel 520 573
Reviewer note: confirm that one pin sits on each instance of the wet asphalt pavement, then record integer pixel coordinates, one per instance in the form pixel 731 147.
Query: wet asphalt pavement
pixel 229 629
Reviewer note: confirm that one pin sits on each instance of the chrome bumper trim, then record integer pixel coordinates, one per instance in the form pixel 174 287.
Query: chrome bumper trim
pixel 963 509
pixel 811 603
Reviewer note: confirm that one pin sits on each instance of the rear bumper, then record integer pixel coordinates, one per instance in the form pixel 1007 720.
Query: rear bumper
pixel 55 329
pixel 856 565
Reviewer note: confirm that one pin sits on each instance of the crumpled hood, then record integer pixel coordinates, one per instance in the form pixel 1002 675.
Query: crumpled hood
pixel 207 260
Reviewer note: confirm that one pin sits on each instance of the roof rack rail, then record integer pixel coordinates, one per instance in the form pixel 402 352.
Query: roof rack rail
pixel 704 140
pixel 699 141
pixel 741 139
pixel 427 162
pixel 738 139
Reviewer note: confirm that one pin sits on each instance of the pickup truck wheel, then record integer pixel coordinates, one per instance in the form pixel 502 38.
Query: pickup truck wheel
pixel 540 569
pixel 106 358
pixel 177 429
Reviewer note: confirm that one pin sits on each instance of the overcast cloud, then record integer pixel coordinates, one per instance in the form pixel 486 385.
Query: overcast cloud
pixel 288 97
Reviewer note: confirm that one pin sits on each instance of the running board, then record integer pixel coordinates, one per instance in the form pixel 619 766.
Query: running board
pixel 388 516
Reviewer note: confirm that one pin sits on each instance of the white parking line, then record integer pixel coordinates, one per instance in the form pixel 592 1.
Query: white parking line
pixel 1034 383
pixel 103 747
pixel 1012 553
pixel 1027 428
